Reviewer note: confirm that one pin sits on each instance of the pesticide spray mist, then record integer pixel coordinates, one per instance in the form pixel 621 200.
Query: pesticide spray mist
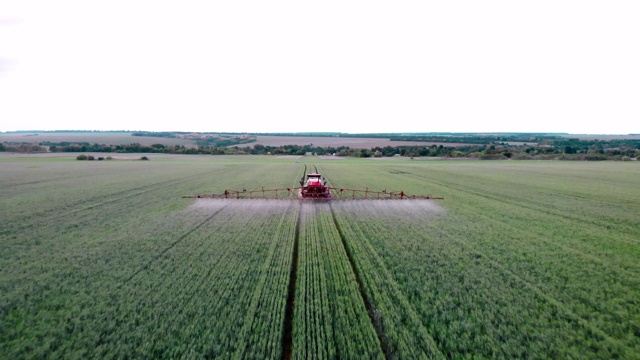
pixel 390 209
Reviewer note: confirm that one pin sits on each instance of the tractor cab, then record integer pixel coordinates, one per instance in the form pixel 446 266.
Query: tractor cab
pixel 314 188
pixel 314 180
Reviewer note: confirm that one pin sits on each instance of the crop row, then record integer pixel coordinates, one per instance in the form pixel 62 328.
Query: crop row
pixel 528 260
pixel 515 262
pixel 330 318
pixel 497 277
pixel 469 303
pixel 77 249
pixel 262 336
pixel 588 269
pixel 185 300
pixel 203 291
pixel 403 333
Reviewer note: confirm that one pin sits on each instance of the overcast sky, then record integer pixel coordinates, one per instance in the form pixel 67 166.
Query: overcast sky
pixel 350 66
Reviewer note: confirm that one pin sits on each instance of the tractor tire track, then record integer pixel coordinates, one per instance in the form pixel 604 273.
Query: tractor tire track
pixel 39 287
pixel 367 302
pixel 259 296
pixel 624 275
pixel 304 173
pixel 171 246
pixel 112 197
pixel 537 291
pixel 40 218
pixel 536 208
pixel 9 186
pixel 502 268
pixel 287 340
pixel 541 237
pixel 527 283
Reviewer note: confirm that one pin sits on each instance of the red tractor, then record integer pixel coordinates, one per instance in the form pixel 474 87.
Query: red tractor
pixel 314 188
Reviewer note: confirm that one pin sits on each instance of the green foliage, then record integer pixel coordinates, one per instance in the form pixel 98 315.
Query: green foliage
pixel 157 134
pixel 483 146
pixel 139 274
pixel 521 260
pixel 495 265
pixel 330 319
pixel 21 147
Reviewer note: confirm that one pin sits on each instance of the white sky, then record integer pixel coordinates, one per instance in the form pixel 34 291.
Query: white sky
pixel 350 66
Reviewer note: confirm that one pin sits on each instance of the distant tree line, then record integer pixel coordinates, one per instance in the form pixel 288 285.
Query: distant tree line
pixel 582 150
pixel 538 147
pixel 163 134
pixel 22 147
pixel 91 157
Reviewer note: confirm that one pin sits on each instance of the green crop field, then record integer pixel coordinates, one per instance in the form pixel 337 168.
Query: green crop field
pixel 104 259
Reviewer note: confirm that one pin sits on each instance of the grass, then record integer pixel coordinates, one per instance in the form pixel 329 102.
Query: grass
pixel 521 259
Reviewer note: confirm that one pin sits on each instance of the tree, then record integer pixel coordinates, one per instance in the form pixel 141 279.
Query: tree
pixel 364 153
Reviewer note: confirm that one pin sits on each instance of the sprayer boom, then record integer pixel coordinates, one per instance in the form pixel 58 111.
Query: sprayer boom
pixel 314 188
